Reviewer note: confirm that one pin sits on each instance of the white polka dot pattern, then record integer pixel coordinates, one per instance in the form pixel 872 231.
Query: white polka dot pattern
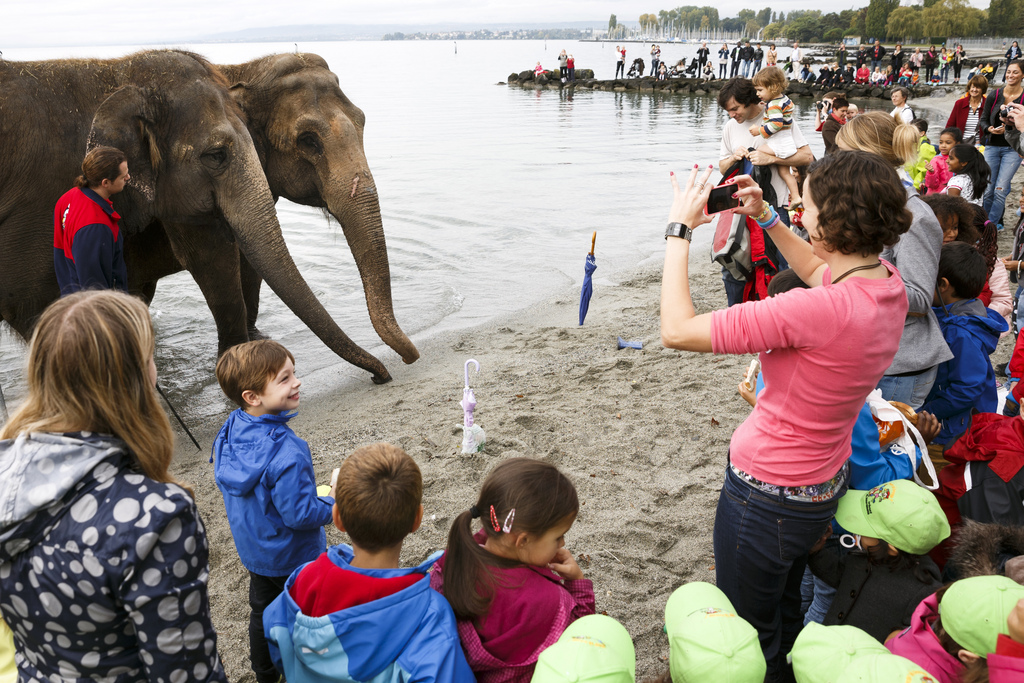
pixel 108 583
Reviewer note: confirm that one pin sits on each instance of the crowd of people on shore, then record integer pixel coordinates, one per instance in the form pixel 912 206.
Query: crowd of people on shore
pixel 874 534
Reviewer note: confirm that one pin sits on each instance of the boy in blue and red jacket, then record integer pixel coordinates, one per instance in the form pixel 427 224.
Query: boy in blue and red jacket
pixel 265 473
pixel 966 383
pixel 353 614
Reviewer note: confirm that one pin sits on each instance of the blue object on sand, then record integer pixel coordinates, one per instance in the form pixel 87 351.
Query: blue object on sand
pixel 588 282
pixel 623 344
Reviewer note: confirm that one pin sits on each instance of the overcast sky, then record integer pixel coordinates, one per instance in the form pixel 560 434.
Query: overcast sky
pixel 76 22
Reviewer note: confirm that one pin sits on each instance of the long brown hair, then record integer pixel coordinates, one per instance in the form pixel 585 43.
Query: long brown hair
pixel 100 163
pixel 541 497
pixel 88 370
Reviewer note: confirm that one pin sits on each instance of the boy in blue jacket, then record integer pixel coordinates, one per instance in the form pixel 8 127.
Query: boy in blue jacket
pixel 265 473
pixel 353 614
pixel 966 383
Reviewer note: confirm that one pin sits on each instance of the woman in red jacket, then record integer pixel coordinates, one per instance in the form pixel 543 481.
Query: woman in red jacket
pixel 967 110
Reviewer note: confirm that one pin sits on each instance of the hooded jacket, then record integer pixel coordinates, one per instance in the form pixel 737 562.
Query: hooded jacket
pixel 530 609
pixel 266 475
pixel 966 382
pixel 389 625
pixel 103 571
pixel 919 644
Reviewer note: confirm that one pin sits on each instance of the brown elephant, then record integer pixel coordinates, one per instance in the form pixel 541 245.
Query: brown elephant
pixel 196 182
pixel 309 137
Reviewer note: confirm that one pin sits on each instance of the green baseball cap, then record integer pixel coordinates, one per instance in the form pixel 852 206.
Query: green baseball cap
pixel 594 648
pixel 974 611
pixel 707 641
pixel 898 512
pixel 821 653
pixel 885 669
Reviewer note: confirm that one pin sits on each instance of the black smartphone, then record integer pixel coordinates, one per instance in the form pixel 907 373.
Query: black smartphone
pixel 721 199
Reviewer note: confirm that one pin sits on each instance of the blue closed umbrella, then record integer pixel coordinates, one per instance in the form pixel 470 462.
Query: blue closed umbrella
pixel 588 280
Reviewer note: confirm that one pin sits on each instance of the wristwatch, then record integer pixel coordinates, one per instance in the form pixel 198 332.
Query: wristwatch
pixel 679 230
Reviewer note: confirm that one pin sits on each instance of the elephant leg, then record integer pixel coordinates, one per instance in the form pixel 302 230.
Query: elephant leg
pixel 212 256
pixel 251 283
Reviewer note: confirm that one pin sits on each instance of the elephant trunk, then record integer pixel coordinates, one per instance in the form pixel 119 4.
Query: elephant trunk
pixel 359 216
pixel 259 236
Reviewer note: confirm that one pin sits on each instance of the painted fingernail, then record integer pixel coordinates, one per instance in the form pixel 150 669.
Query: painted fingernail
pixel 711 165
pixel 696 165
pixel 735 195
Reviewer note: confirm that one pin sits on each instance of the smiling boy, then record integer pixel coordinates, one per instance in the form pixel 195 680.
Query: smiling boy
pixel 265 473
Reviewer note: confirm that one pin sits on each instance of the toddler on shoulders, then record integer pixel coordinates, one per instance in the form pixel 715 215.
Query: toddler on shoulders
pixel 777 124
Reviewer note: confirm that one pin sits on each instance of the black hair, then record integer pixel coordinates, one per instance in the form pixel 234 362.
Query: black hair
pixel 954 132
pixel 974 167
pixel 784 281
pixel 920 124
pixel 839 103
pixel 963 266
pixel 878 556
pixel 740 89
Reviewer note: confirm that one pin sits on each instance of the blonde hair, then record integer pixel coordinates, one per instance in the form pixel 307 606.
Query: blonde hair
pixel 88 370
pixel 249 366
pixel 772 79
pixel 880 134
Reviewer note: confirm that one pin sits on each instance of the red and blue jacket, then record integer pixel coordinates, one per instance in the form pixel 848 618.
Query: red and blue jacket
pixel 88 246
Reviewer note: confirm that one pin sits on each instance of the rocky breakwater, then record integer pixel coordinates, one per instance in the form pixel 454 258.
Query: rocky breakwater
pixel 585 81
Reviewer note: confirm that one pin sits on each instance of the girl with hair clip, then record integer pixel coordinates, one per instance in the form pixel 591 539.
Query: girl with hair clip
pixel 113 548
pixel 922 347
pixel 513 585
pixel 970 173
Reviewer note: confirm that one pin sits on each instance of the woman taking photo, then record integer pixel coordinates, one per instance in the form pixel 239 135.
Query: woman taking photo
pixel 966 114
pixel 1002 159
pixel 787 460
pixel 957 59
pixel 916 254
pixel 104 556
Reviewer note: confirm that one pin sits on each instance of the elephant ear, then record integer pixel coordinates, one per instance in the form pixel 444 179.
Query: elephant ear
pixel 127 120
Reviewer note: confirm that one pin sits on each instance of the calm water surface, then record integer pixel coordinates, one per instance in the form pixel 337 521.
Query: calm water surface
pixel 489 195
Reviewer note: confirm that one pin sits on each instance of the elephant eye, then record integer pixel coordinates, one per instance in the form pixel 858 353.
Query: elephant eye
pixel 215 157
pixel 310 142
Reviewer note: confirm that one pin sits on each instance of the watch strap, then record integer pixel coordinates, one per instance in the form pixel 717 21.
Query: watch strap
pixel 679 230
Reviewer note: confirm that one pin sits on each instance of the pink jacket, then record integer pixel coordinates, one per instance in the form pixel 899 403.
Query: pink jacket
pixel 532 606
pixel 834 339
pixel 936 180
pixel 919 644
pixel 1006 664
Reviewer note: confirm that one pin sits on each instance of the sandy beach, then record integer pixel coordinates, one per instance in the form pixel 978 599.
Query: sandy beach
pixel 643 435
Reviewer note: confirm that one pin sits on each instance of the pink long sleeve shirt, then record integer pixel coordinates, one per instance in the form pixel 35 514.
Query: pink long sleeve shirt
pixel 822 351
pixel 936 180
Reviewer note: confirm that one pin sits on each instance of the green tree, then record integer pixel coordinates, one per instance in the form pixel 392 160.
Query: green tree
pixel 751 28
pixel 1006 17
pixel 806 28
pixel 950 18
pixel 905 24
pixel 833 35
pixel 877 16
pixel 746 15
pixel 612 23
pixel 773 31
pixel 764 17
pixel 782 17
pixel 929 3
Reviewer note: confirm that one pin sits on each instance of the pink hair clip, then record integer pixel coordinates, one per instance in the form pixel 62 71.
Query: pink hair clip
pixel 507 526
pixel 494 520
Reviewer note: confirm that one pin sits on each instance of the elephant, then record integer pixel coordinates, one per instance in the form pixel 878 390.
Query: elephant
pixel 196 183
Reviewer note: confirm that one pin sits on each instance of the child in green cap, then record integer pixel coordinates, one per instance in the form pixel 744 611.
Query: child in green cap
pixel 887 573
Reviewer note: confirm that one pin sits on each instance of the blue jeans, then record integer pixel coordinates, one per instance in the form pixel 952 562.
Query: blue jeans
pixel 746 68
pixel 912 390
pixel 875 64
pixel 761 544
pixel 1004 162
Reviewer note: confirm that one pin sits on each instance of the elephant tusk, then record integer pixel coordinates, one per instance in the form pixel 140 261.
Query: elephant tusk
pixel 355 183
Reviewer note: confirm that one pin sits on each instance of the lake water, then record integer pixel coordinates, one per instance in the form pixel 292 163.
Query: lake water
pixel 489 194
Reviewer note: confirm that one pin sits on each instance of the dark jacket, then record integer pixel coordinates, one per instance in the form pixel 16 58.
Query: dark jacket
pixel 990 117
pixel 877 53
pixel 702 54
pixel 1013 53
pixel 841 56
pixel 872 598
pixel 88 245
pixel 829 130
pixel 746 53
pixel 930 58
pixel 104 570
pixel 966 383
pixel 862 56
pixel 758 54
pixel 896 59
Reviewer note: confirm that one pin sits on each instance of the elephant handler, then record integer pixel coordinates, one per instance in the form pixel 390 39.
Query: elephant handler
pixel 88 246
